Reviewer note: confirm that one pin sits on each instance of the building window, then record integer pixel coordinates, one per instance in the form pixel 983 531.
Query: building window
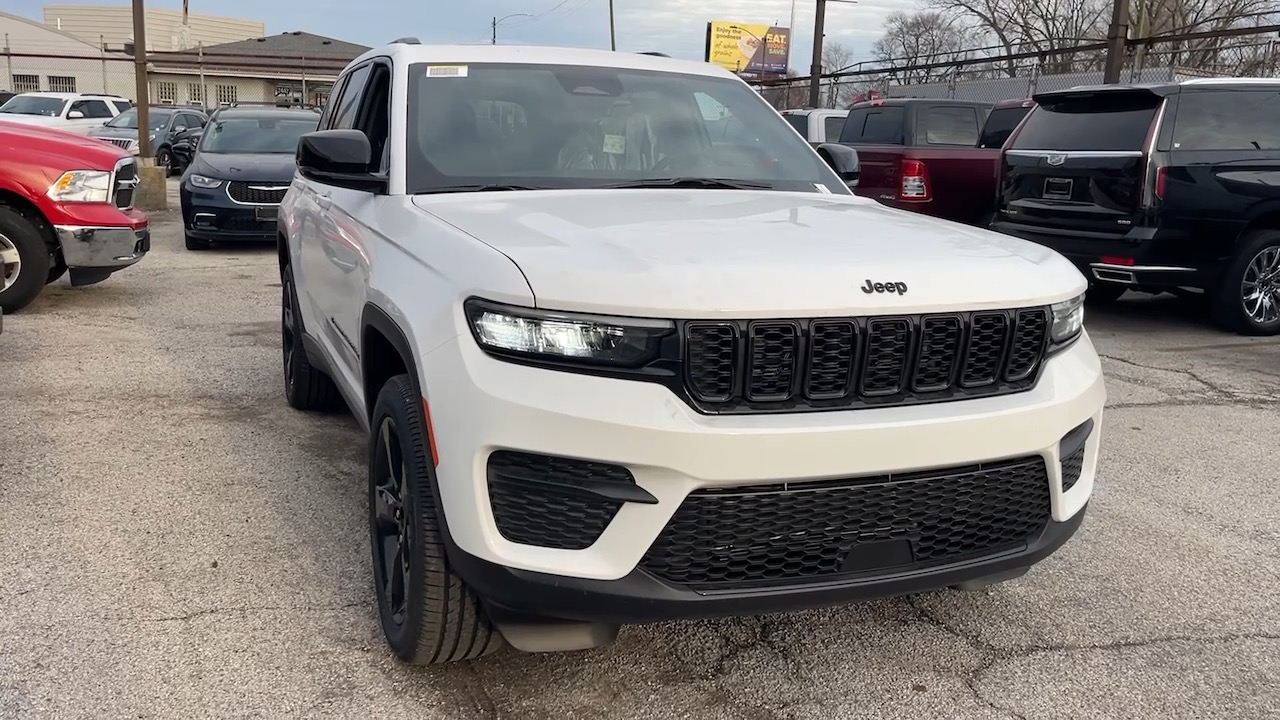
pixel 226 94
pixel 166 92
pixel 195 93
pixel 26 83
pixel 62 83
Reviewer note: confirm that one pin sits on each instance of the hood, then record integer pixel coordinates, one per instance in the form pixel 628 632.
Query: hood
pixel 75 150
pixel 726 253
pixel 265 167
pixel 105 131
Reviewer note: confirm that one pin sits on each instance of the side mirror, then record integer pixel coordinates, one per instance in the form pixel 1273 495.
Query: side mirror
pixel 843 159
pixel 75 115
pixel 339 157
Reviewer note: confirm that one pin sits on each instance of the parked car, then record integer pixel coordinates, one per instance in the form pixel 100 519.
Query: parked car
pixel 166 122
pixel 182 148
pixel 817 126
pixel 613 370
pixel 73 112
pixel 4 96
pixel 232 189
pixel 925 155
pixel 66 203
pixel 1157 187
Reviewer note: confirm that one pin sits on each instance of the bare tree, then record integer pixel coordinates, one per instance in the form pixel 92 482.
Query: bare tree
pixel 923 37
pixel 836 58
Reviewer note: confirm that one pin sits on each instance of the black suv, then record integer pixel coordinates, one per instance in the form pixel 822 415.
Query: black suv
pixel 1156 188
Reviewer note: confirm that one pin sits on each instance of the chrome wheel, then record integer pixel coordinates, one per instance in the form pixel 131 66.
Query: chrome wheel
pixel 10 263
pixel 392 524
pixel 1260 289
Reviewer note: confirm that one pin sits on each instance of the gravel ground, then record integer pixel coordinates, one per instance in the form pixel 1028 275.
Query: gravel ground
pixel 176 542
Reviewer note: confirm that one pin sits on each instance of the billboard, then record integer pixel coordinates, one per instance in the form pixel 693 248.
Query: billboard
pixel 748 48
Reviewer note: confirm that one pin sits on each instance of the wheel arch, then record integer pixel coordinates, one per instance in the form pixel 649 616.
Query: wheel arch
pixel 31 212
pixel 385 351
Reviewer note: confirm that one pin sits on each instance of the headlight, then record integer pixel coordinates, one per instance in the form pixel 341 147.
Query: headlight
pixel 1068 320
pixel 207 183
pixel 565 337
pixel 88 186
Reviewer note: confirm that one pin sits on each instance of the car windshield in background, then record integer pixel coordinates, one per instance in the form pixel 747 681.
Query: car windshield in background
pixel 1108 121
pixel 34 105
pixel 255 135
pixel 128 119
pixel 554 126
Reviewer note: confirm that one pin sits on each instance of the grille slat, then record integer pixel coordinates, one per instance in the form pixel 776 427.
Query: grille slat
pixel 832 345
pixel 773 361
pixel 838 363
pixel 1028 343
pixel 987 334
pixel 788 533
pixel 256 193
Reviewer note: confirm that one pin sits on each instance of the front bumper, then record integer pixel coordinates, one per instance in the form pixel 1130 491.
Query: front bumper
pixel 479 405
pixel 102 248
pixel 212 215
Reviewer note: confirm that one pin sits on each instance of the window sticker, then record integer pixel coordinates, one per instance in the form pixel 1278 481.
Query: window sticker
pixel 615 144
pixel 446 71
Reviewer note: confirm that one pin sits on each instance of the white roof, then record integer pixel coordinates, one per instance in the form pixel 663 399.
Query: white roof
pixel 1232 81
pixel 73 96
pixel 540 55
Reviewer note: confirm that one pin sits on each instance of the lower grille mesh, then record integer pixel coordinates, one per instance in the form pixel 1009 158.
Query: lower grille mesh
pixel 784 534
pixel 540 500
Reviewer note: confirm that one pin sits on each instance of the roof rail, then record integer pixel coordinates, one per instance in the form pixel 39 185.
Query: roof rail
pixel 408 40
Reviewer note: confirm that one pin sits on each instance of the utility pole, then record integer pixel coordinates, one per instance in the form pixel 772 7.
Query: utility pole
pixel 613 36
pixel 140 78
pixel 495 31
pixel 815 70
pixel 1117 33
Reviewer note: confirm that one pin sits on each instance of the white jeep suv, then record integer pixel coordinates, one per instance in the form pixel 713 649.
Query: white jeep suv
pixel 628 349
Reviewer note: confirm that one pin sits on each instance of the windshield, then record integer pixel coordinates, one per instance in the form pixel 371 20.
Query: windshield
pixel 34 105
pixel 156 119
pixel 253 135
pixel 553 126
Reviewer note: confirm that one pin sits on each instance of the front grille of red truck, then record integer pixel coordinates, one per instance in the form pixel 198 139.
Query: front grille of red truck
pixel 125 182
pixel 840 363
pixel 784 534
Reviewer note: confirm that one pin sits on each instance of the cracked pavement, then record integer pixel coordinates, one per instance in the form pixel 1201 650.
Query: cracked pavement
pixel 176 542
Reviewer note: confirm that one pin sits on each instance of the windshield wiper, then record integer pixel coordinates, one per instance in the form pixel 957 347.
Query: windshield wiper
pixel 493 187
pixel 691 182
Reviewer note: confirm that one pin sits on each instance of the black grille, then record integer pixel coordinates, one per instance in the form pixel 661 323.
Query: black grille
pixel 246 224
pixel 834 363
pixel 1072 468
pixel 126 181
pixel 545 501
pixel 254 193
pixel 789 533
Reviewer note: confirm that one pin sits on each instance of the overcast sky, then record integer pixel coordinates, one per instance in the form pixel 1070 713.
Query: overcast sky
pixel 675 27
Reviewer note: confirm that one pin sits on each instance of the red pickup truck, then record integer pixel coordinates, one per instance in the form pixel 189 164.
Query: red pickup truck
pixel 66 204
pixel 932 156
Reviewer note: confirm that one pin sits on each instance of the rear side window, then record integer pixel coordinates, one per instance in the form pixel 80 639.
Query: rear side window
pixel 873 126
pixel 1000 125
pixel 1227 121
pixel 800 123
pixel 951 126
pixel 1102 122
pixel 832 126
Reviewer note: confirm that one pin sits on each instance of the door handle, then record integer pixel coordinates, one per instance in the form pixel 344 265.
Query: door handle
pixel 323 199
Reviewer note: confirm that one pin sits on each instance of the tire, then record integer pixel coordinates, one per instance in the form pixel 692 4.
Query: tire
pixel 1256 264
pixel 305 387
pixel 428 615
pixel 24 261
pixel 1104 293
pixel 194 243
pixel 164 159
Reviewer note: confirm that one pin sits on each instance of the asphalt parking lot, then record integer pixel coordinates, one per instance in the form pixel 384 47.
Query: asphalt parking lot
pixel 176 542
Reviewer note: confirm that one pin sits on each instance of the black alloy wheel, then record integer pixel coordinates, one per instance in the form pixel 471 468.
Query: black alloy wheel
pixel 427 613
pixel 305 386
